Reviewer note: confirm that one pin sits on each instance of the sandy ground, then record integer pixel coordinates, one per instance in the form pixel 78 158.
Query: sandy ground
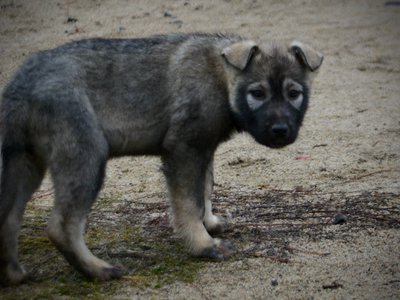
pixel 346 158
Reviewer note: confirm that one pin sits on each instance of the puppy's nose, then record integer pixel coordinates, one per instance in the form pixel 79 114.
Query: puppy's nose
pixel 280 129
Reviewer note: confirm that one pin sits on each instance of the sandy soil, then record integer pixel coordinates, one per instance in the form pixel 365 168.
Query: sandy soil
pixel 281 203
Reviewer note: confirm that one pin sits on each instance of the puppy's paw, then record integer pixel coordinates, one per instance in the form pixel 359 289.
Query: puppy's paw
pixel 221 250
pixel 12 274
pixel 215 225
pixel 106 273
pixel 112 273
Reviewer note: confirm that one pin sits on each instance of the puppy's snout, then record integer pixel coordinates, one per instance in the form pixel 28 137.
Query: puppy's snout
pixel 280 130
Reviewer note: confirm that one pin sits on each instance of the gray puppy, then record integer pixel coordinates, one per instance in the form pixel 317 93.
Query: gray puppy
pixel 178 96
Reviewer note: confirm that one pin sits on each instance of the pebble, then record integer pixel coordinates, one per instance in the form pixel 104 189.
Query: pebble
pixel 168 14
pixel 340 219
pixel 274 282
pixel 72 20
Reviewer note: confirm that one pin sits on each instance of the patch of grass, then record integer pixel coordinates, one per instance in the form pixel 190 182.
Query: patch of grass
pixel 153 260
pixel 151 256
pixel 173 263
pixel 39 243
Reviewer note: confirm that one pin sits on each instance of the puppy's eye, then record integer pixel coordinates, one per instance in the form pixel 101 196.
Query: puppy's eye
pixel 294 94
pixel 257 94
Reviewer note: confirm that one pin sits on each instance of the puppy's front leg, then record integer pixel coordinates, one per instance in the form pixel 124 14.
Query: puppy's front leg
pixel 186 174
pixel 214 224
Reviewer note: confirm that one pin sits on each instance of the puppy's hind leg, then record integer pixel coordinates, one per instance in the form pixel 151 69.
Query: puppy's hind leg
pixel 77 171
pixel 21 176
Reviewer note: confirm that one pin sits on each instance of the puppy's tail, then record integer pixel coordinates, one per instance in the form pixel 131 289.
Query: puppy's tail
pixel 4 206
pixel 12 169
pixel 6 202
pixel 21 169
pixel 16 163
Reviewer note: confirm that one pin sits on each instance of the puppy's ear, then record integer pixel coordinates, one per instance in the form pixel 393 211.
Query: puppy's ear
pixel 239 54
pixel 308 57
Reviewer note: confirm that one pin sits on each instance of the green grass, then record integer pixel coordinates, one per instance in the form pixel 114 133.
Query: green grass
pixel 151 259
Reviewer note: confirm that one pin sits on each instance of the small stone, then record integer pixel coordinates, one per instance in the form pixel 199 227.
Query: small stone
pixel 177 23
pixel 72 20
pixel 167 14
pixel 361 68
pixel 340 219
pixel 274 282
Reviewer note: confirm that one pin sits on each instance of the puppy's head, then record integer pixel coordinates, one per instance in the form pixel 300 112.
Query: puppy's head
pixel 269 88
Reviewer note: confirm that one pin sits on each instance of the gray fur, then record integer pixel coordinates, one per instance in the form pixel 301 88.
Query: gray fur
pixel 71 108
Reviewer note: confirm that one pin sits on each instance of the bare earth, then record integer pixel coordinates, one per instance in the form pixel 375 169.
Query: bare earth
pixel 281 203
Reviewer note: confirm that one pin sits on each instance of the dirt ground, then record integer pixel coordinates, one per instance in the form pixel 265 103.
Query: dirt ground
pixel 281 203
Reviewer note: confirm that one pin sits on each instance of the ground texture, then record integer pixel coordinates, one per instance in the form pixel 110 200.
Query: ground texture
pixel 282 205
